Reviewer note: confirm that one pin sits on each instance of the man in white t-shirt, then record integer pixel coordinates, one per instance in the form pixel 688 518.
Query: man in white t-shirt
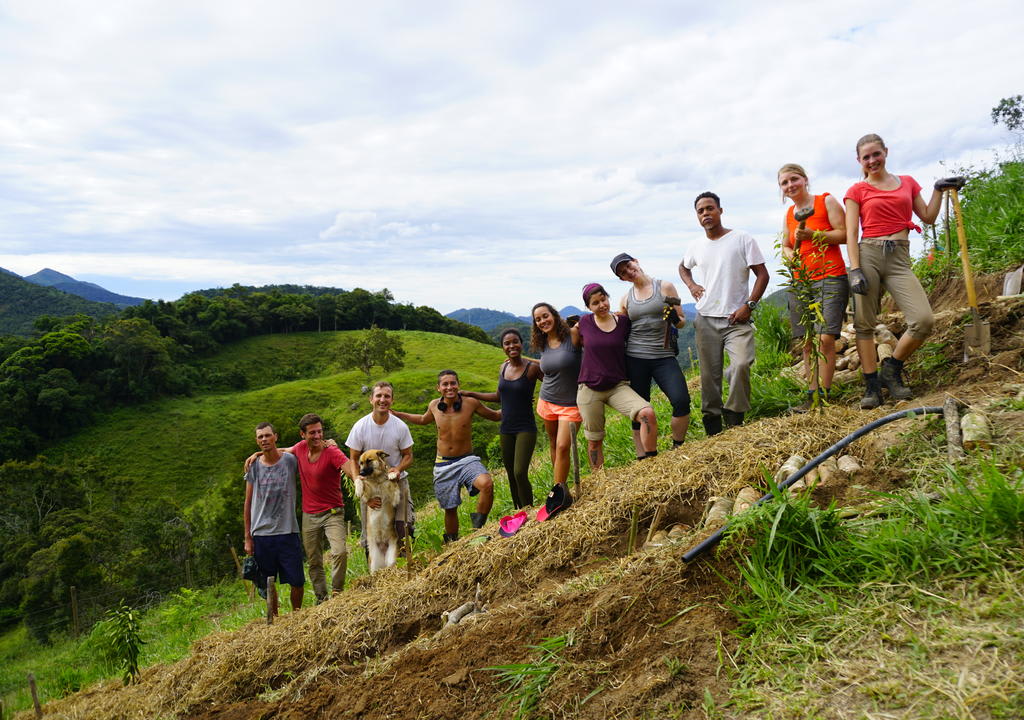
pixel 725 259
pixel 380 430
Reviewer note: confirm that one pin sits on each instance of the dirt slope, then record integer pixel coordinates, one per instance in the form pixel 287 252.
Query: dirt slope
pixel 644 628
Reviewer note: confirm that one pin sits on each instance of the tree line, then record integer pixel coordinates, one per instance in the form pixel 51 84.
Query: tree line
pixel 53 383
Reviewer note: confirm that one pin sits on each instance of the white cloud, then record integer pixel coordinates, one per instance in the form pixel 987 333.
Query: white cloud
pixel 491 153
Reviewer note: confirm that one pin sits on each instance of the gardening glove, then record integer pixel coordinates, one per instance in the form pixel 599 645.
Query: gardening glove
pixel 950 183
pixel 670 312
pixel 858 283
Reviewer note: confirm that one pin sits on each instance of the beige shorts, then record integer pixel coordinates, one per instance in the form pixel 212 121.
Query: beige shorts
pixel 591 404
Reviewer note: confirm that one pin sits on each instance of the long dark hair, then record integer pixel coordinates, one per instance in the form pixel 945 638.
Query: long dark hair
pixel 539 340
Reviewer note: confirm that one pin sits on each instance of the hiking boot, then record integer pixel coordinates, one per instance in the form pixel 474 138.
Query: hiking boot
pixel 891 376
pixel 872 392
pixel 732 418
pixel 449 538
pixel 477 520
pixel 806 405
pixel 712 424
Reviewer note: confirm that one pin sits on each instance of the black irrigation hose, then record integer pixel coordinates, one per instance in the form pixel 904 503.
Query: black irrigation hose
pixel 697 550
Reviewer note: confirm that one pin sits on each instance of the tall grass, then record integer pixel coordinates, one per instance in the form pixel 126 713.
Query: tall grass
pixel 917 606
pixel 770 392
pixel 798 554
pixel 993 210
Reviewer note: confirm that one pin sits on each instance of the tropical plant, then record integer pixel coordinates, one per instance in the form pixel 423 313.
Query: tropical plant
pixel 124 640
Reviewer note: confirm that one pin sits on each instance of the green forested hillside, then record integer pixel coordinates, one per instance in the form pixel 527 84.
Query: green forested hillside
pixel 21 302
pixel 146 495
pixel 185 447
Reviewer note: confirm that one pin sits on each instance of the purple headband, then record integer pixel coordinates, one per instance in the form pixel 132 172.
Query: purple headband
pixel 591 288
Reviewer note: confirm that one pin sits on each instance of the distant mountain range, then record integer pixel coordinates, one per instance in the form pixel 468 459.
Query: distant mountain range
pixel 488 320
pixel 21 302
pixel 90 291
pixel 491 320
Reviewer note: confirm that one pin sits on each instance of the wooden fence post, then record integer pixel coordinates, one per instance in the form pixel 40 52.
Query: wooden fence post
pixel 344 558
pixel 271 599
pixel 238 563
pixel 573 427
pixel 35 695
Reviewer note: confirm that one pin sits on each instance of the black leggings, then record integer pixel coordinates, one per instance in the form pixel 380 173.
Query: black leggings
pixel 668 376
pixel 516 452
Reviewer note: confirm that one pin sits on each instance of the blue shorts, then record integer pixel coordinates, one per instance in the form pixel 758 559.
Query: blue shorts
pixel 281 556
pixel 451 475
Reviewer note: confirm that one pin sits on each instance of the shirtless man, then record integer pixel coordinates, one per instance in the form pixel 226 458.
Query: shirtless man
pixel 455 467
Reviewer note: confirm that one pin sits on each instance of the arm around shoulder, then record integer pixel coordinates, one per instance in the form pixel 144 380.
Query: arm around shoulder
pixel 486 412
pixel 426 418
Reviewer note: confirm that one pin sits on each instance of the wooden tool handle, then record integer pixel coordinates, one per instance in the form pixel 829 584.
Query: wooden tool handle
pixel 972 298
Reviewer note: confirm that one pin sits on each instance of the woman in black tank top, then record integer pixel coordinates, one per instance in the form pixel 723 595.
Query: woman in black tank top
pixel 517 379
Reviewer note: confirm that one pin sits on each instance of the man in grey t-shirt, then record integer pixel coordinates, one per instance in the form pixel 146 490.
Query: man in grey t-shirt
pixel 271 527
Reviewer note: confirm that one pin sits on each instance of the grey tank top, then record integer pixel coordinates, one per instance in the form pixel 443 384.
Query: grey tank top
pixel 647 336
pixel 561 368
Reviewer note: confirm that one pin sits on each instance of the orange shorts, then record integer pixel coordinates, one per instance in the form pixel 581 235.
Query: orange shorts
pixel 550 411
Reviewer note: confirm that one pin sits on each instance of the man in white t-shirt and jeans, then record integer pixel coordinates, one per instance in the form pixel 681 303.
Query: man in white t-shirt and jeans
pixel 725 259
pixel 380 430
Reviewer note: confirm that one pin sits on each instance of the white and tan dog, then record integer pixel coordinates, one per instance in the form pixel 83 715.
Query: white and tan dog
pixel 377 480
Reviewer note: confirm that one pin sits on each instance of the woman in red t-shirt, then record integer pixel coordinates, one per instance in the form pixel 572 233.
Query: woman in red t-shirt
pixel 813 251
pixel 880 208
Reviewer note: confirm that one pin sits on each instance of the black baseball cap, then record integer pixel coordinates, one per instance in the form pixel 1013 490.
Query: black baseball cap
pixel 618 260
pixel 558 500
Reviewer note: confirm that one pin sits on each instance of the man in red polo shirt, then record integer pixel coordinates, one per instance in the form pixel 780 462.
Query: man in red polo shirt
pixel 320 468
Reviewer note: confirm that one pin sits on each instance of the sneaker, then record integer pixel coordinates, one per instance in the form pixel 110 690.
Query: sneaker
pixel 890 375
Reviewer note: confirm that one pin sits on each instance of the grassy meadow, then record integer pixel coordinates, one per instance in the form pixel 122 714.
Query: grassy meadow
pixel 187 447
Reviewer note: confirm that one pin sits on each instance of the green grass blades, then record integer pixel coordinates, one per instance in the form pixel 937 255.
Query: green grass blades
pixel 526 682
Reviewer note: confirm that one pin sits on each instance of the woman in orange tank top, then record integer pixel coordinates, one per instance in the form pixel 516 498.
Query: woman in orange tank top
pixel 815 249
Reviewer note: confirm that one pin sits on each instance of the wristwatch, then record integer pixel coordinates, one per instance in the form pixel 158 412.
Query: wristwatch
pixel 752 305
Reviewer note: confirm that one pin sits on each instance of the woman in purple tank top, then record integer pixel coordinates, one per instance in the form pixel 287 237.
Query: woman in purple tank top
pixel 603 379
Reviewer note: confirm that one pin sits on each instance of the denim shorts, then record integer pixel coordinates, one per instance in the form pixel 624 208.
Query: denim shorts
pixel 451 475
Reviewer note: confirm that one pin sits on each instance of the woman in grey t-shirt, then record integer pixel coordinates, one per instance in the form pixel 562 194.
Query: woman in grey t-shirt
pixel 647 358
pixel 560 363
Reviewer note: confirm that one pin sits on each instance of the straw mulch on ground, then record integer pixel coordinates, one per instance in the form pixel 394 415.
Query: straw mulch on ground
pixel 390 622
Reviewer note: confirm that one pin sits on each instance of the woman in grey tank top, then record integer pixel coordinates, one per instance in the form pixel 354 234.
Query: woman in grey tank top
pixel 560 362
pixel 647 358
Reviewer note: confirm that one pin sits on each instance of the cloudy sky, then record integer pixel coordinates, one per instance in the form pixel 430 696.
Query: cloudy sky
pixel 461 154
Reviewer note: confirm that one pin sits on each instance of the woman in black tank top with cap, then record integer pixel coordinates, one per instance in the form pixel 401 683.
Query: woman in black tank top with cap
pixel 517 379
